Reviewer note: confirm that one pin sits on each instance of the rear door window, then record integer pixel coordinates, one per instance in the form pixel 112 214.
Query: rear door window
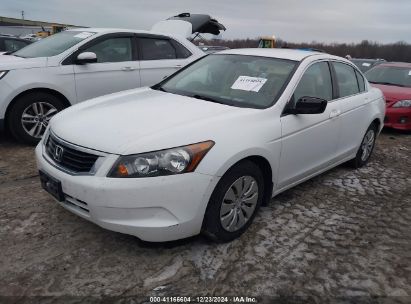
pixel 346 80
pixel 157 49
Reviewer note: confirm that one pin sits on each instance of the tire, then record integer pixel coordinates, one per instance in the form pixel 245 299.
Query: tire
pixel 222 204
pixel 37 108
pixel 362 157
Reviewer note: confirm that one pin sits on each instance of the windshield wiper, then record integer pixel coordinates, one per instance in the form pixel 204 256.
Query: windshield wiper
pixel 207 98
pixel 388 83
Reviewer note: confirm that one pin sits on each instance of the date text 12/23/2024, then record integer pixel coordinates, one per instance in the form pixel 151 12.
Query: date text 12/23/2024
pixel 203 299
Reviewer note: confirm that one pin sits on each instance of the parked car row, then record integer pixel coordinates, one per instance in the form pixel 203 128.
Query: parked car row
pixel 366 64
pixel 205 142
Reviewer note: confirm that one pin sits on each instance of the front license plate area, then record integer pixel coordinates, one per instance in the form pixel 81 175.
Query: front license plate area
pixel 52 186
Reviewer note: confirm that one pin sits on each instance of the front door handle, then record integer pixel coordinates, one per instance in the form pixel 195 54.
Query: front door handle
pixel 127 69
pixel 178 65
pixel 335 113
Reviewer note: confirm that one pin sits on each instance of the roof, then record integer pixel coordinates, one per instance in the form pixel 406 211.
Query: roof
pixel 397 64
pixel 368 59
pixel 117 30
pixel 105 30
pixel 296 55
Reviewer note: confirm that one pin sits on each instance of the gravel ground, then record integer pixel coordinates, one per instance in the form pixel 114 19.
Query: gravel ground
pixel 343 235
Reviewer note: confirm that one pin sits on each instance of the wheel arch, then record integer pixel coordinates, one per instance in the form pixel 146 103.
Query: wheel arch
pixel 378 123
pixel 266 169
pixel 55 93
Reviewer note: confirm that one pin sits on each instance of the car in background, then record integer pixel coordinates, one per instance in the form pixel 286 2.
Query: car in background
pixel 394 80
pixel 203 149
pixel 69 67
pixel 49 75
pixel 31 37
pixel 210 49
pixel 365 64
pixel 9 43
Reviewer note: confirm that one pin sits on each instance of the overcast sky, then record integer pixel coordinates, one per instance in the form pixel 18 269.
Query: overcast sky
pixel 292 20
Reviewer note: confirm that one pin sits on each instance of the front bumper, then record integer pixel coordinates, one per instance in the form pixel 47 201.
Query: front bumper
pixel 155 209
pixel 398 118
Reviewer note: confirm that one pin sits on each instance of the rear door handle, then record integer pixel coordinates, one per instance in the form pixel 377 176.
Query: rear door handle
pixel 127 69
pixel 178 65
pixel 335 113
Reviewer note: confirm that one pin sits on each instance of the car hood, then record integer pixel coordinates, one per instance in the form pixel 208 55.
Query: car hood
pixel 393 93
pixel 10 62
pixel 142 120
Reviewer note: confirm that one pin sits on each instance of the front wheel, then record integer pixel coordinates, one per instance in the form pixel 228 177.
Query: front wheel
pixel 30 116
pixel 366 148
pixel 234 202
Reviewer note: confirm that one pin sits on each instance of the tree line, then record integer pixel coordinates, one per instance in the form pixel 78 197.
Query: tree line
pixel 399 51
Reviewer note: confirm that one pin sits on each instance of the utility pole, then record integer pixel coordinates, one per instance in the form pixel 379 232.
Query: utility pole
pixel 22 15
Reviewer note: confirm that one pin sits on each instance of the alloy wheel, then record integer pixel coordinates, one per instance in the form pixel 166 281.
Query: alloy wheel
pixel 36 117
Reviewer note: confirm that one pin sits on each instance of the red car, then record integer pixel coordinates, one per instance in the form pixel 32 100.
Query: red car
pixel 394 80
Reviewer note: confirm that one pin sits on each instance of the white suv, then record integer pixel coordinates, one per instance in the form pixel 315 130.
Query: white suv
pixel 47 76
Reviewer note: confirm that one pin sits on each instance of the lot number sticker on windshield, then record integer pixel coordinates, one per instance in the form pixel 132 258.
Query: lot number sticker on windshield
pixel 366 64
pixel 409 73
pixel 83 35
pixel 250 84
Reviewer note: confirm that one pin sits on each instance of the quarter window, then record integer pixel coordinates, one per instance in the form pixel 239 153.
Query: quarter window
pixel 113 50
pixel 346 79
pixel 156 49
pixel 316 82
pixel 182 52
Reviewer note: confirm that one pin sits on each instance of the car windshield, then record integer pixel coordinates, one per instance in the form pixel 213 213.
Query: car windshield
pixel 53 45
pixel 236 80
pixel 390 75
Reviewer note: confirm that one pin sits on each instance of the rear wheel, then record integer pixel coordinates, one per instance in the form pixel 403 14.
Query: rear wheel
pixel 234 202
pixel 30 115
pixel 366 148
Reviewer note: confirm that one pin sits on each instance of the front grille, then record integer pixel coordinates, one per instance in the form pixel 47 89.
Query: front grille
pixel 69 158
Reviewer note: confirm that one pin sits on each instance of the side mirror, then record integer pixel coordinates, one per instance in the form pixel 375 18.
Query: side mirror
pixel 86 57
pixel 309 105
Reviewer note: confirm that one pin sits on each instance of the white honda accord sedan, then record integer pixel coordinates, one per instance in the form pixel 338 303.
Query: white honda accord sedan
pixel 203 149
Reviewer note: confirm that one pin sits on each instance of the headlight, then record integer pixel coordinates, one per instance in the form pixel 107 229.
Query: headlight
pixel 3 73
pixel 164 162
pixel 402 104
